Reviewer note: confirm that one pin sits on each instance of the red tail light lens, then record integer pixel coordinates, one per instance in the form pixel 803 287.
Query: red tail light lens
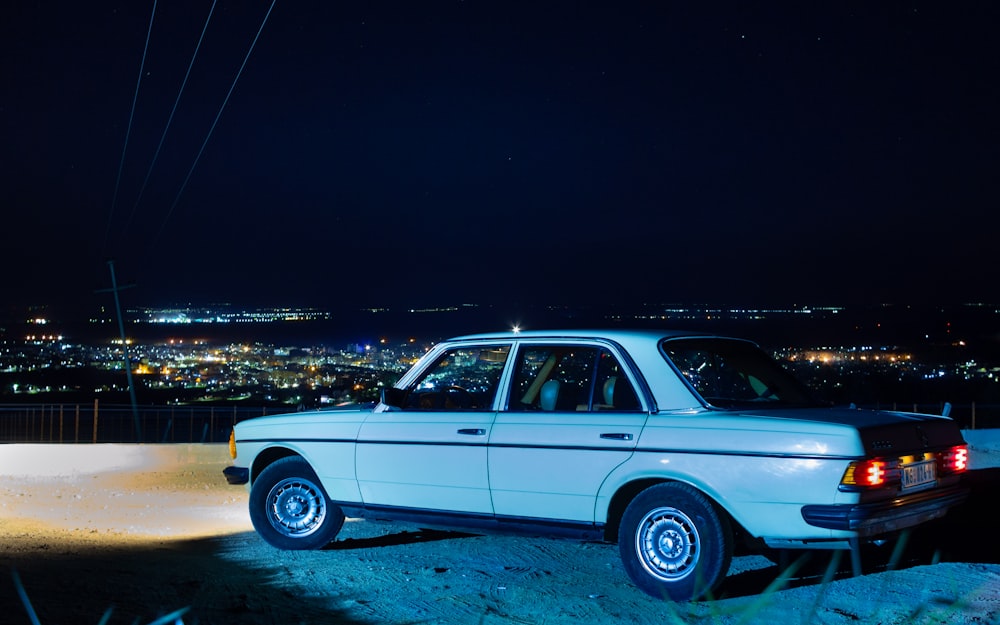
pixel 955 460
pixel 868 473
pixel 874 473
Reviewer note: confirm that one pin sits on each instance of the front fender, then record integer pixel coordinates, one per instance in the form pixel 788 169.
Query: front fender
pixel 333 463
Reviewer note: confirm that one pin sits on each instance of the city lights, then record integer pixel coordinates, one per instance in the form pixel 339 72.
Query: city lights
pixel 178 369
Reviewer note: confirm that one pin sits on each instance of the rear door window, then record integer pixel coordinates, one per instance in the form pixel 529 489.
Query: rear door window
pixel 573 378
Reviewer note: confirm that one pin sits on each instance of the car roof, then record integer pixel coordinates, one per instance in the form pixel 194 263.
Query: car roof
pixel 641 345
pixel 614 334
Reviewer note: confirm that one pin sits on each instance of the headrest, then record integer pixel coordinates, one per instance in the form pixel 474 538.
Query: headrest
pixel 609 390
pixel 548 395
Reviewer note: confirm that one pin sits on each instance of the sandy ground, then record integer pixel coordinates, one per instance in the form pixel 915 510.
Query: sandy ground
pixel 146 530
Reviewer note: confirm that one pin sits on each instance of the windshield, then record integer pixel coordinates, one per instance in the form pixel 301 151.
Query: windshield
pixel 731 373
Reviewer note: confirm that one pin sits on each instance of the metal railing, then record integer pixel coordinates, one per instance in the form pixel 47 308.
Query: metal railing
pixel 100 423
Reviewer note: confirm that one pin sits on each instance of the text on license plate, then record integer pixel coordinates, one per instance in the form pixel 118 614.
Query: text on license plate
pixel 919 474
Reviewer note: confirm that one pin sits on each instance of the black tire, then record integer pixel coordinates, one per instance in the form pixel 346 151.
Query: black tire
pixel 290 509
pixel 674 544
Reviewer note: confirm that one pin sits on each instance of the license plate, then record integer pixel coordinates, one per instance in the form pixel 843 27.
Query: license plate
pixel 919 474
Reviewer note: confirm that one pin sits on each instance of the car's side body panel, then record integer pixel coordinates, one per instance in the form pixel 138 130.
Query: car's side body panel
pixel 745 464
pixel 742 485
pixel 326 438
pixel 434 460
pixel 550 465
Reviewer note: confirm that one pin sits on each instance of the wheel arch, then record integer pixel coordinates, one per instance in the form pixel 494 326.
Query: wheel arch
pixel 629 490
pixel 269 456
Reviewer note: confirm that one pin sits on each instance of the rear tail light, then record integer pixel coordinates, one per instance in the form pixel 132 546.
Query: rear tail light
pixel 875 473
pixel 954 460
pixel 872 473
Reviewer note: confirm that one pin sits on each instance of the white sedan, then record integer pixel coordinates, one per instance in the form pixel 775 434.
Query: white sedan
pixel 680 447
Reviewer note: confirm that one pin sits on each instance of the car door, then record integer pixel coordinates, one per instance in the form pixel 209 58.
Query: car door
pixel 572 415
pixel 429 452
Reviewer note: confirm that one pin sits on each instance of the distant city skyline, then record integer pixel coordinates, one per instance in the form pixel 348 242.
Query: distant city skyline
pixel 192 313
pixel 976 324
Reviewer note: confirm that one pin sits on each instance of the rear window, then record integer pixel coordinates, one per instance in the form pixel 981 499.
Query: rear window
pixel 731 373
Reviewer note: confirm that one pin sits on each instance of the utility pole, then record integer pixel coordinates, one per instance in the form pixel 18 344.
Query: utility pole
pixel 128 365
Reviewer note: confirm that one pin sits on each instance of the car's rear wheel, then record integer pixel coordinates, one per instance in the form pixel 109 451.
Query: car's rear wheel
pixel 674 544
pixel 290 509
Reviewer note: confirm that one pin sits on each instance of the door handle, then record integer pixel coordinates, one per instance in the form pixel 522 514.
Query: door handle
pixel 617 436
pixel 473 431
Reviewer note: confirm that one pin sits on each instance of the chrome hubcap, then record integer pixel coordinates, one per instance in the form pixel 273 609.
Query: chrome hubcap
pixel 296 507
pixel 667 543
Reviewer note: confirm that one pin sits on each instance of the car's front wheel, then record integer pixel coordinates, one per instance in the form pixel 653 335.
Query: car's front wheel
pixel 674 544
pixel 290 509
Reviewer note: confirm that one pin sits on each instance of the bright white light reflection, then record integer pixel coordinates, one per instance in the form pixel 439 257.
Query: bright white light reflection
pixel 817 447
pixel 48 460
pixel 120 492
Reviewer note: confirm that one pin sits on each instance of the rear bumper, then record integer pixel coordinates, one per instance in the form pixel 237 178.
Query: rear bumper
pixel 872 519
pixel 237 475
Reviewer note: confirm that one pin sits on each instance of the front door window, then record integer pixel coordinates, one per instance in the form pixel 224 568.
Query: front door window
pixel 464 378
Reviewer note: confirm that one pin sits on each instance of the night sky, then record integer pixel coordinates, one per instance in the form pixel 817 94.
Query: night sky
pixel 439 153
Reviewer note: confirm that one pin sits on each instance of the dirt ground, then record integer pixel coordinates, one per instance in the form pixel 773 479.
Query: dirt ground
pixel 147 530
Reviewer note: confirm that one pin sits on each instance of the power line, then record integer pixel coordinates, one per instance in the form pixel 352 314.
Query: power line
pixel 214 123
pixel 170 119
pixel 128 132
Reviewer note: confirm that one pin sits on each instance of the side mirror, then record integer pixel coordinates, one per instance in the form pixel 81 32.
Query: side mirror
pixel 395 397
